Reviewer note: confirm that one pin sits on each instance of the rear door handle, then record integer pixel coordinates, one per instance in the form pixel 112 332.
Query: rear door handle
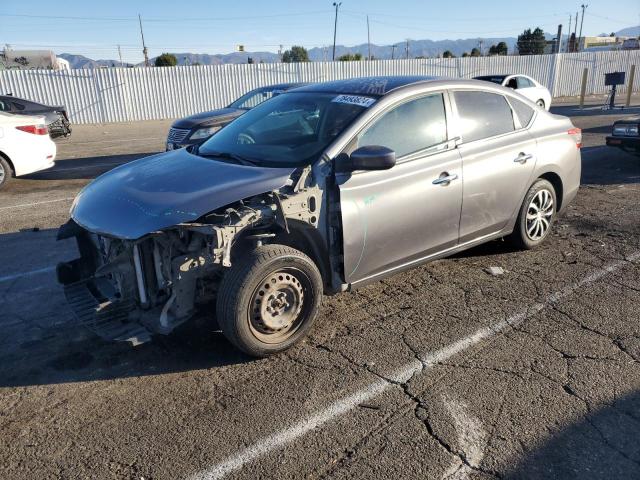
pixel 523 157
pixel 445 179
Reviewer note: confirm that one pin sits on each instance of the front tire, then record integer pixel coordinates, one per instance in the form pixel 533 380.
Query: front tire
pixel 536 217
pixel 269 300
pixel 5 172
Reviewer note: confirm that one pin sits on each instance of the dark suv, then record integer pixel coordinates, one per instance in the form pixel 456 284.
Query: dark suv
pixel 197 128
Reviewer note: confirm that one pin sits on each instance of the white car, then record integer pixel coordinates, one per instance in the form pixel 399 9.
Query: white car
pixel 25 146
pixel 524 85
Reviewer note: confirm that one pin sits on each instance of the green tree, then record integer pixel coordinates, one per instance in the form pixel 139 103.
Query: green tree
pixel 295 55
pixel 465 54
pixel 448 54
pixel 531 42
pixel 350 57
pixel 475 52
pixel 499 49
pixel 166 60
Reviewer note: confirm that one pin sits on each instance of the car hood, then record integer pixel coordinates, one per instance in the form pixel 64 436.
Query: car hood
pixel 222 116
pixel 160 191
pixel 632 119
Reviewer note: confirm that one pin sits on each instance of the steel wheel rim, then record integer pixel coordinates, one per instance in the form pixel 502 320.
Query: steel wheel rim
pixel 279 305
pixel 539 214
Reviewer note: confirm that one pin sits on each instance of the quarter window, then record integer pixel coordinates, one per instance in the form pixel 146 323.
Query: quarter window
pixel 410 127
pixel 483 114
pixel 523 111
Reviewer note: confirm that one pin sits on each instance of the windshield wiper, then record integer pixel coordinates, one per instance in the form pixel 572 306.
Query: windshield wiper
pixel 228 156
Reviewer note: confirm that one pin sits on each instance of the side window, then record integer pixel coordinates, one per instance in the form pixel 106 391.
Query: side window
pixel 410 127
pixel 523 111
pixel 524 82
pixel 512 83
pixel 482 114
pixel 18 106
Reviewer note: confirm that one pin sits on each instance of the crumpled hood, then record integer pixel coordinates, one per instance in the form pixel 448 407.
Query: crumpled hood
pixel 162 190
pixel 222 116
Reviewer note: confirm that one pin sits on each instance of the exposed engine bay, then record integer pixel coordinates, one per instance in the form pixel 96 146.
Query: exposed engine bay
pixel 129 289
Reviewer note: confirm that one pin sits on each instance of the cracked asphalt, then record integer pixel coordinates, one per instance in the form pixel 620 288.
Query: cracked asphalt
pixel 442 372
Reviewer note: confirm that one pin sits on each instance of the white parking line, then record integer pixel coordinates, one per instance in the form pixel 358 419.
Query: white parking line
pixel 427 361
pixel 9 278
pixel 23 205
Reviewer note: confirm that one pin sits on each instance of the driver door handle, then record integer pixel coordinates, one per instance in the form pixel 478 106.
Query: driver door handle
pixel 523 157
pixel 445 179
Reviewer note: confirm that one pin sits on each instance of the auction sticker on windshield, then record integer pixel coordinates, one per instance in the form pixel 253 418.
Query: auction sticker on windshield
pixel 354 100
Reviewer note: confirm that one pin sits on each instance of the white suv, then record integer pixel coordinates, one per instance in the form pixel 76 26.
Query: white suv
pixel 25 146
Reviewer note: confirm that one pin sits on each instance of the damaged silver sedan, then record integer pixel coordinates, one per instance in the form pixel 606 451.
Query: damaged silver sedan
pixel 318 190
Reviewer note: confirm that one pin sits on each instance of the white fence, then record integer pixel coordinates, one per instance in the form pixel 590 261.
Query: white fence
pixel 131 94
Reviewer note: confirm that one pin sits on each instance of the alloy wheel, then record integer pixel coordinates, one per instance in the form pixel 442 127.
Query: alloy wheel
pixel 539 214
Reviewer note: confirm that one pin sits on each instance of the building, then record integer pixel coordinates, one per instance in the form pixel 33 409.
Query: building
pixel 31 60
pixel 604 43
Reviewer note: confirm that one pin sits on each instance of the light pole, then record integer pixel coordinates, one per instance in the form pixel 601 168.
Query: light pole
pixel 584 7
pixel 335 28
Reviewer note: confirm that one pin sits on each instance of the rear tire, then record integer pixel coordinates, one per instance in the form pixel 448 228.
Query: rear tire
pixel 5 172
pixel 269 299
pixel 536 217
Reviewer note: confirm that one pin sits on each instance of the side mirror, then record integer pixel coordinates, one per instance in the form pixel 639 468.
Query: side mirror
pixel 369 157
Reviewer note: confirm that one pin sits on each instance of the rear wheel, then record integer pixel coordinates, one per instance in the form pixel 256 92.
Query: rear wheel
pixel 536 215
pixel 5 172
pixel 269 299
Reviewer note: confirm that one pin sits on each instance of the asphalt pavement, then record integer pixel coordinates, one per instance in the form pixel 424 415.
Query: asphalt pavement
pixel 443 372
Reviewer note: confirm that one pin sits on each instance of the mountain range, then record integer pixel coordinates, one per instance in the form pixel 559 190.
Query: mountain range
pixel 417 48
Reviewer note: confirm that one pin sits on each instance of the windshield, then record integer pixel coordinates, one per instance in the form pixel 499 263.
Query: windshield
pixel 289 130
pixel 491 78
pixel 254 98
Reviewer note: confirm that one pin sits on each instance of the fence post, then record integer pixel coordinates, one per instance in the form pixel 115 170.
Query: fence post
pixel 583 87
pixel 632 74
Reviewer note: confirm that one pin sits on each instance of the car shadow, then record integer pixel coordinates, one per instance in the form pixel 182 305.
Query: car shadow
pixel 602 165
pixel 42 342
pixel 86 167
pixel 604 444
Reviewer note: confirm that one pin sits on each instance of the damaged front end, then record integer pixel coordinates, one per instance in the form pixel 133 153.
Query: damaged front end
pixel 129 289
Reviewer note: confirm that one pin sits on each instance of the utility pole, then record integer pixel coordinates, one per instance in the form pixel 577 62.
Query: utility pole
pixel 368 38
pixel 145 52
pixel 406 49
pixel 558 39
pixel 584 7
pixel 480 44
pixel 335 29
pixel 569 34
pixel 280 54
pixel 393 51
pixel 120 55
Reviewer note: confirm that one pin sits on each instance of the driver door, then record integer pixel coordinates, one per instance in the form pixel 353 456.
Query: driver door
pixel 395 218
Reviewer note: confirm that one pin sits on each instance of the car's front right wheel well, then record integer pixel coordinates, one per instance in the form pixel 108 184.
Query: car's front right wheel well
pixel 555 180
pixel 6 158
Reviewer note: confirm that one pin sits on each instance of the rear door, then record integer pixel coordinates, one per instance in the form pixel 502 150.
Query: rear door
pixel 396 217
pixel 498 159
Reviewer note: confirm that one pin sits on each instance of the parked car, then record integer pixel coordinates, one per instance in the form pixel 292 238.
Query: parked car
pixel 25 146
pixel 322 189
pixel 524 85
pixel 625 135
pixel 195 129
pixel 56 118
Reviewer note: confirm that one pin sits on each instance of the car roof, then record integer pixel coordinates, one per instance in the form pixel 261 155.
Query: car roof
pixel 283 86
pixel 374 86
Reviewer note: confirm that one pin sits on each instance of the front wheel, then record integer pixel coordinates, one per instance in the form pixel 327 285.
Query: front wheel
pixel 269 299
pixel 536 215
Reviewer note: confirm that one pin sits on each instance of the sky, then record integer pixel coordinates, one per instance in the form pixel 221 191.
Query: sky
pixel 95 28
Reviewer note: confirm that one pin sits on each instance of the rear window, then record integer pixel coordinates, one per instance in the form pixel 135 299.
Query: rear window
pixel 523 111
pixel 483 114
pixel 524 82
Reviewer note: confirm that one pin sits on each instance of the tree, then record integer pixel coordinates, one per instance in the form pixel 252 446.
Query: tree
pixel 350 57
pixel 531 43
pixel 465 54
pixel 475 52
pixel 499 49
pixel 448 54
pixel 166 60
pixel 296 54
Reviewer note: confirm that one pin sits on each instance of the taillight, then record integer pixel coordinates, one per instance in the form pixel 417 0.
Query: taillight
pixel 576 133
pixel 35 129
